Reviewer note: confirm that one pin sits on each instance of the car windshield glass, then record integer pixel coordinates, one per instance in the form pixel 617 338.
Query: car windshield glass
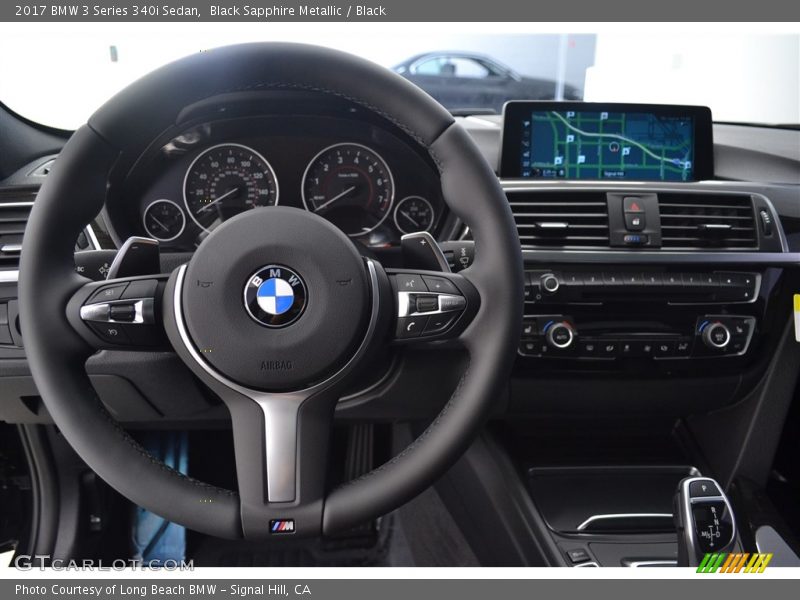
pixel 58 74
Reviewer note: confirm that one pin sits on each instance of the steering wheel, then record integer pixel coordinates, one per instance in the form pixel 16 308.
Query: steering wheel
pixel 272 325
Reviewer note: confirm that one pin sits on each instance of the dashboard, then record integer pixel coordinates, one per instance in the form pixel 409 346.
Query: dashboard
pixel 365 179
pixel 681 287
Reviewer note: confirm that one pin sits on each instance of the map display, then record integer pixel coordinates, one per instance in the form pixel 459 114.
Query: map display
pixel 607 145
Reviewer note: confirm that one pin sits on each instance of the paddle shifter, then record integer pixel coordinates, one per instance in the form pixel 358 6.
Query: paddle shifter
pixel 704 520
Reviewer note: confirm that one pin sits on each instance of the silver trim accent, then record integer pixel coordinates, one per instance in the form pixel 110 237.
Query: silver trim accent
pixel 620 516
pixel 385 164
pixel 688 522
pixel 144 313
pixel 400 203
pixel 25 204
pixel 280 409
pixel 206 151
pixel 444 267
pixel 591 563
pixel 552 225
pixel 9 276
pixel 120 256
pixel 638 564
pixel 153 235
pixel 94 243
pixel 404 308
pixel 552 277
pixel 11 248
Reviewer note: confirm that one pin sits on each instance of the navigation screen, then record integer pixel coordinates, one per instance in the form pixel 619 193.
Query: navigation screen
pixel 598 144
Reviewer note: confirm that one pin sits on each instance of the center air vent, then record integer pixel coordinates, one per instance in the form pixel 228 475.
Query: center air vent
pixel 14 211
pixel 707 221
pixel 560 219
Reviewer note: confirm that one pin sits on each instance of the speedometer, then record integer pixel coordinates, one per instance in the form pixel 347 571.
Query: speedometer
pixel 226 180
pixel 351 186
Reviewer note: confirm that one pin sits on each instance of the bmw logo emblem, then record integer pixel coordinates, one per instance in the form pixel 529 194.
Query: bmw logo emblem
pixel 275 296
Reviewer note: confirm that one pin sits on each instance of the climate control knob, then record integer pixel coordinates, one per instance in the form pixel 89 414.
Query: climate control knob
pixel 716 335
pixel 549 283
pixel 560 335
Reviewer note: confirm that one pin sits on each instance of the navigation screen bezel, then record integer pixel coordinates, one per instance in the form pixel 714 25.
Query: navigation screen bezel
pixel 515 111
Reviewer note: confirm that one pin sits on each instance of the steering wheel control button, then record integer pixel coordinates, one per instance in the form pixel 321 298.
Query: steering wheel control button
pixel 143 288
pixel 421 251
pixel 122 312
pixel 113 333
pixel 406 282
pixel 439 323
pixel 275 296
pixel 449 303
pixel 108 293
pixel 427 304
pixel 410 327
pixel 440 285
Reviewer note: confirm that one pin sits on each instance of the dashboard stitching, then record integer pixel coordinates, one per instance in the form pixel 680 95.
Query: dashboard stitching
pixel 299 86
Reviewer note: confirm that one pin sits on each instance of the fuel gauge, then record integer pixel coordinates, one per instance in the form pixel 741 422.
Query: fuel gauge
pixel 413 214
pixel 164 220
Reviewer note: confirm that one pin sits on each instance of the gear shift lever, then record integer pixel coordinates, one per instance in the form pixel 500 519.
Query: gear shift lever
pixel 704 520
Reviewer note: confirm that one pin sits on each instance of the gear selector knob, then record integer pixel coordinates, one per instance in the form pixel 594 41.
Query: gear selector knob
pixel 704 520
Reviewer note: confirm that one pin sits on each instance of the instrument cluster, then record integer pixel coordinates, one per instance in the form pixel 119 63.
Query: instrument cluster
pixel 369 182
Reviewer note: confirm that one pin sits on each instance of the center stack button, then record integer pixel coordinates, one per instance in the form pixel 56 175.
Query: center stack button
pixel 560 335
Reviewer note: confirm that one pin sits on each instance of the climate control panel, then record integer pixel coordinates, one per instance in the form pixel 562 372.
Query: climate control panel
pixel 708 336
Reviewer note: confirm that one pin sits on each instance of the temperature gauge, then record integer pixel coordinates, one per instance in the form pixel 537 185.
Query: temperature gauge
pixel 413 214
pixel 164 220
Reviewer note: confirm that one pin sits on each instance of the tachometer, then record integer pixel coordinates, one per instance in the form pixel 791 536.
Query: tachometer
pixel 351 186
pixel 225 180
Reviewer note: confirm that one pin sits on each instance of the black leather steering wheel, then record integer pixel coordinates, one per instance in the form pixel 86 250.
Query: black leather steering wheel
pixel 280 383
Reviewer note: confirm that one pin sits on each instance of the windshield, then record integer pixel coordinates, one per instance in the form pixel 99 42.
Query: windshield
pixel 58 74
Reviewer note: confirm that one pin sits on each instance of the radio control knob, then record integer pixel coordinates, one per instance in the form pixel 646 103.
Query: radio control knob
pixel 549 283
pixel 716 335
pixel 560 335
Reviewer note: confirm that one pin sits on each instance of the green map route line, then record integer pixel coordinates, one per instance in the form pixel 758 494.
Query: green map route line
pixel 645 149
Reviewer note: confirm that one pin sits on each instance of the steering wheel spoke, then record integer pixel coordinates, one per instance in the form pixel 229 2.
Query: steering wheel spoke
pixel 120 314
pixel 431 305
pixel 281 443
